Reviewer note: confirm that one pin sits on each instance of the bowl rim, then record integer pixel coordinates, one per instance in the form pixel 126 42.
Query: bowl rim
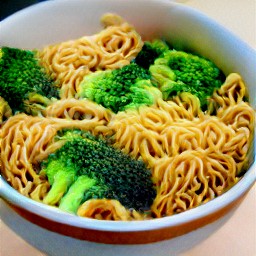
pixel 52 213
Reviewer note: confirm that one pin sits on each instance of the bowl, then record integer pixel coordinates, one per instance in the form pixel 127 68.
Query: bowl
pixel 56 21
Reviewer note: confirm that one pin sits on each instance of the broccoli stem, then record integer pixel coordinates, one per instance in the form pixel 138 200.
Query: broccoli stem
pixel 97 170
pixel 75 195
pixel 61 183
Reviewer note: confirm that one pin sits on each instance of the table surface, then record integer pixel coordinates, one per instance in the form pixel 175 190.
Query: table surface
pixel 235 235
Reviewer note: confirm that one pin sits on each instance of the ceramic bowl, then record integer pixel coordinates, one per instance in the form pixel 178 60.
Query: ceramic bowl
pixel 186 28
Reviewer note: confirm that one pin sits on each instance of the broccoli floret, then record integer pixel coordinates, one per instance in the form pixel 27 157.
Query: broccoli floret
pixel 149 52
pixel 5 110
pixel 22 78
pixel 178 71
pixel 87 167
pixel 119 89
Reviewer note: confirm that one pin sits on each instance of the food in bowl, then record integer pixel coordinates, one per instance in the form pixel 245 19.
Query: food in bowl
pixel 116 127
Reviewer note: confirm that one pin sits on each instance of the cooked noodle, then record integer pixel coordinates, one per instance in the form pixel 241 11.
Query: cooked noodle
pixel 27 140
pixel 193 158
pixel 68 62
pixel 106 209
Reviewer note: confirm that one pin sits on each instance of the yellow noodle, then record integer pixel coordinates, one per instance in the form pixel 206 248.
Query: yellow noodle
pixel 233 91
pixel 190 179
pixel 188 151
pixel 106 209
pixel 27 140
pixel 113 47
pixel 82 110
pixel 18 141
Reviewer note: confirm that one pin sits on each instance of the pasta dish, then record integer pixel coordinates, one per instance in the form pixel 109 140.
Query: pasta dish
pixel 124 129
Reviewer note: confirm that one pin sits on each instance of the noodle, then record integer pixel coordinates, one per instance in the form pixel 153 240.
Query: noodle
pixel 186 152
pixel 190 179
pixel 22 138
pixel 68 62
pixel 83 114
pixel 105 209
pixel 27 140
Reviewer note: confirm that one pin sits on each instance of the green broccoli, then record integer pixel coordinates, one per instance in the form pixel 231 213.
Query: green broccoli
pixel 178 71
pixel 5 110
pixel 87 167
pixel 23 82
pixel 149 52
pixel 120 89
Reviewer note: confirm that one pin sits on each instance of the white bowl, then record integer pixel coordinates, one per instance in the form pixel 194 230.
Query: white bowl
pixel 56 21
